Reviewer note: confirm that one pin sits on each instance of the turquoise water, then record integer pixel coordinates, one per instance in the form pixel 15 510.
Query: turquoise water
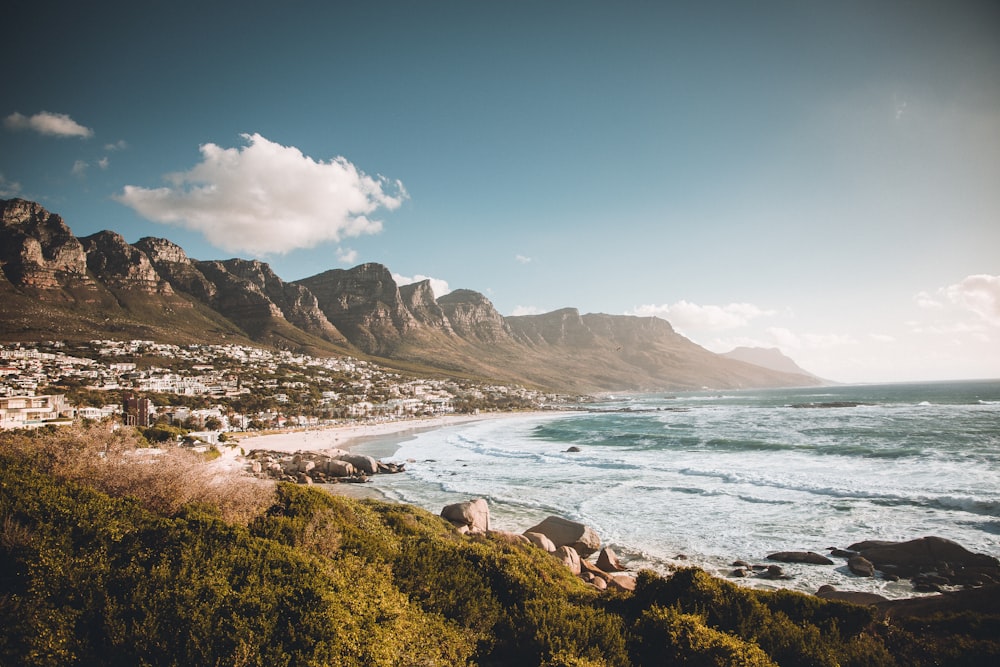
pixel 736 475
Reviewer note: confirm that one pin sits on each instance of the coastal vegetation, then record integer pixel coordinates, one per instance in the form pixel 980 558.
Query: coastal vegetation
pixel 109 556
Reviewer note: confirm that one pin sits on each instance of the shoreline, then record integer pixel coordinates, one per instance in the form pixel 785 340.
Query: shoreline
pixel 380 440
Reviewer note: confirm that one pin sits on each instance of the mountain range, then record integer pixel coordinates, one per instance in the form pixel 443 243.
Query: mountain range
pixel 54 285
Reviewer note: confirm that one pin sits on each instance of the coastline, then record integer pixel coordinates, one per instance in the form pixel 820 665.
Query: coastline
pixel 379 440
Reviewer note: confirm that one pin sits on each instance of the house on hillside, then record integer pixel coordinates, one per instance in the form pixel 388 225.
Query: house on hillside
pixel 33 411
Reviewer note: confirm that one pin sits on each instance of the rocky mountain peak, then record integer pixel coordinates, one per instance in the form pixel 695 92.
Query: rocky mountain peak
pixel 161 250
pixel 118 264
pixel 297 304
pixel 472 315
pixel 419 300
pixel 366 305
pixel 37 249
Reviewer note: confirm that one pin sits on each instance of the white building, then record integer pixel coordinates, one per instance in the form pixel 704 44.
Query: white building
pixel 31 411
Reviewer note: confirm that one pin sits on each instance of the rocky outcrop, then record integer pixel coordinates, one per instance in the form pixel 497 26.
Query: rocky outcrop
pixel 297 304
pixel 932 563
pixel 473 317
pixel 121 266
pixel 364 303
pixel 314 467
pixel 173 264
pixel 921 552
pixel 38 251
pixel 418 298
pixel 237 298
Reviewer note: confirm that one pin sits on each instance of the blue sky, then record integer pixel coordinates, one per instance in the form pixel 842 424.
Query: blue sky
pixel 819 177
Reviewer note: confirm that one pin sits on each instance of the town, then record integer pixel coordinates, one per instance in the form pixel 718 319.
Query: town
pixel 209 390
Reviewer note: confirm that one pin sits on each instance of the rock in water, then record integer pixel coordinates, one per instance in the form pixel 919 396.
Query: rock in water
pixel 810 557
pixel 861 566
pixel 922 552
pixel 472 514
pixel 564 532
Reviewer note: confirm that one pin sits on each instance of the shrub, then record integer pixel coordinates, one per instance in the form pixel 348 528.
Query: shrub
pixel 667 636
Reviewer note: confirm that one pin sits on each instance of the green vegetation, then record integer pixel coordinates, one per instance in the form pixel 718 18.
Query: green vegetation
pixel 108 558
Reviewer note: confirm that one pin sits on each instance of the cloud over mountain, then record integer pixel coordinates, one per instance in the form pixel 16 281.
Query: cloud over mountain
pixel 685 315
pixel 46 122
pixel 267 198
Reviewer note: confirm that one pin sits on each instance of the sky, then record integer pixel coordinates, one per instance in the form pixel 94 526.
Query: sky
pixel 820 177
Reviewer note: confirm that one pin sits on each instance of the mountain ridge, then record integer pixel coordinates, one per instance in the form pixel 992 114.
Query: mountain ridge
pixel 57 286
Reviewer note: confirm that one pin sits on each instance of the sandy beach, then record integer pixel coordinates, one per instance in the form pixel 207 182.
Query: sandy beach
pixel 378 440
pixel 346 436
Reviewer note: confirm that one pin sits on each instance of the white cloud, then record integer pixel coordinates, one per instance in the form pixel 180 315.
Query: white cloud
pixel 267 198
pixel 79 168
pixel 46 122
pixel 526 310
pixel 438 286
pixel 119 145
pixel 9 188
pixel 976 295
pixel 784 338
pixel 347 255
pixel 882 338
pixel 685 316
pixel 979 294
pixel 522 259
pixel 104 162
pixel 927 301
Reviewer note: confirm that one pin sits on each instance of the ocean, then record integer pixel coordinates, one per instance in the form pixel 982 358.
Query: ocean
pixel 706 478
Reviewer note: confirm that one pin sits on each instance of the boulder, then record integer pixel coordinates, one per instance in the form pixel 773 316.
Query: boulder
pixel 541 541
pixel 587 566
pixel 338 468
pixel 623 582
pixel 925 552
pixel 774 572
pixel 809 557
pixel 509 537
pixel 568 557
pixel 363 463
pixel 861 566
pixel 472 514
pixel 608 561
pixel 564 532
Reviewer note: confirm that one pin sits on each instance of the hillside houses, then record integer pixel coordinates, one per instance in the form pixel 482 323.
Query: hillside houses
pixel 233 386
